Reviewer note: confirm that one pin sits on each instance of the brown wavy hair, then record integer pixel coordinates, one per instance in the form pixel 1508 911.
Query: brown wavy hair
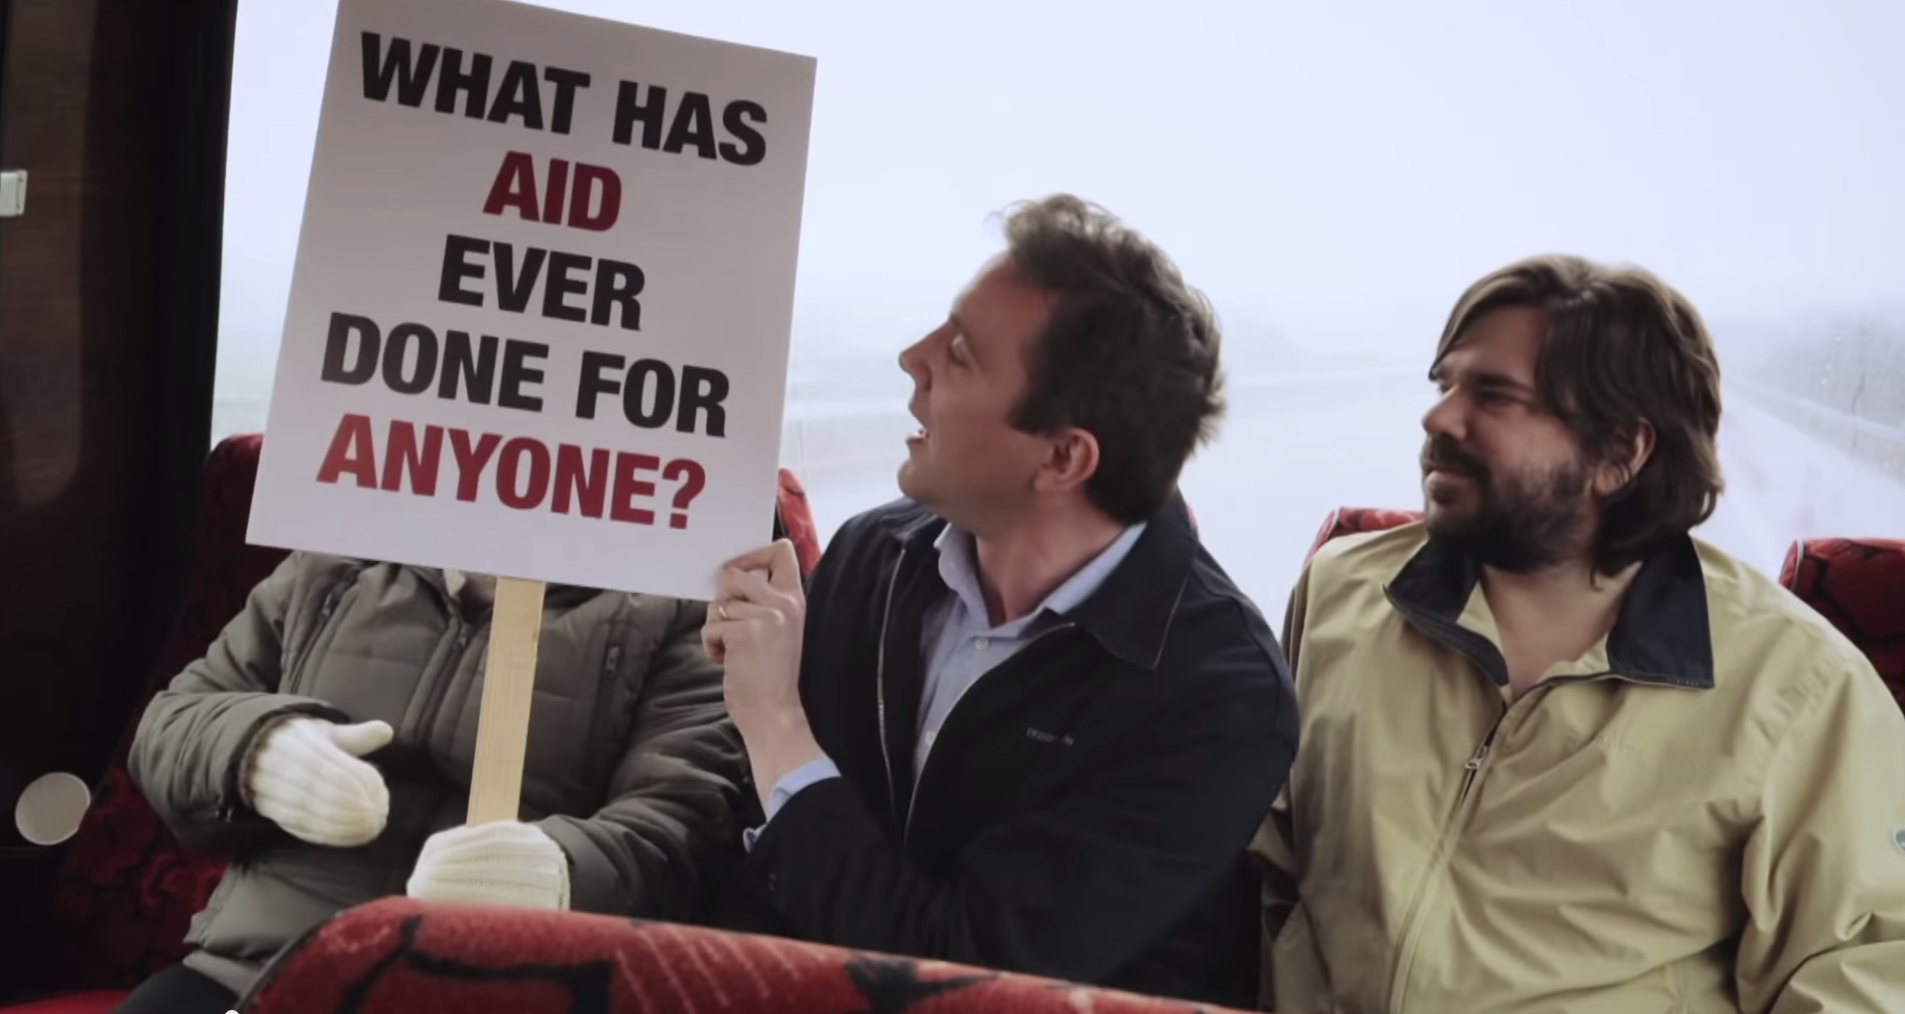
pixel 1131 354
pixel 1623 349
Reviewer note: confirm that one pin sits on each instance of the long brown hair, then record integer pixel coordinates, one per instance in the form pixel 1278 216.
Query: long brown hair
pixel 1623 348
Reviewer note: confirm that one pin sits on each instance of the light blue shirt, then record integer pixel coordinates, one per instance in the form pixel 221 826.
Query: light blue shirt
pixel 960 644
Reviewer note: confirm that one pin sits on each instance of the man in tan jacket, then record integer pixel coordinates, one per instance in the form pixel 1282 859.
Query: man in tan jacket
pixel 1559 756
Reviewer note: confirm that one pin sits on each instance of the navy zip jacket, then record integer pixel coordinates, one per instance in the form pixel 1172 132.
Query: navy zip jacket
pixel 1086 808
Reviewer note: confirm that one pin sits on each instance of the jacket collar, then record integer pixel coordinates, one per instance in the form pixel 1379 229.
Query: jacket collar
pixel 553 595
pixel 1129 614
pixel 1661 635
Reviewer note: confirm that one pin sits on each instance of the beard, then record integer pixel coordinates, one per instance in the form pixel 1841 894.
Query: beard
pixel 1522 522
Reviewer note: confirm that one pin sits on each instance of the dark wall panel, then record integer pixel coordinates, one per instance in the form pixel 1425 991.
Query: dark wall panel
pixel 108 325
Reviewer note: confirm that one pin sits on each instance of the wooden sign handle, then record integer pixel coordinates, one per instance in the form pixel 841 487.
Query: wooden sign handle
pixel 509 683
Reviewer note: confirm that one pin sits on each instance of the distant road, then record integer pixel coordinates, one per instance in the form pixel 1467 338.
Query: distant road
pixel 1831 418
pixel 1296 446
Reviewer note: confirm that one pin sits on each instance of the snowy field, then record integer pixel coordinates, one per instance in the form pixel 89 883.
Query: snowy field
pixel 1296 448
pixel 1290 453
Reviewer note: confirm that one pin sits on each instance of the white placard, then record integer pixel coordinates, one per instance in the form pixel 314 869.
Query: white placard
pixel 539 320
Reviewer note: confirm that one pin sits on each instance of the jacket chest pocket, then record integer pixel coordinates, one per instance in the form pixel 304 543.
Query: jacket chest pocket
pixel 314 642
pixel 966 787
pixel 579 716
pixel 361 656
pixel 1611 819
pixel 1023 756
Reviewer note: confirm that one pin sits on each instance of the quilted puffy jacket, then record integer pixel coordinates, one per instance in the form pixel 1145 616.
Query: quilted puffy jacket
pixel 631 763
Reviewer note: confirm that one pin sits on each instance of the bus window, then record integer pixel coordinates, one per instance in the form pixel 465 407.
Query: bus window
pixel 1331 176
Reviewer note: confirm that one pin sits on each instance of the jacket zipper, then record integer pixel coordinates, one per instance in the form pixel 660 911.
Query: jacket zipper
pixel 1485 657
pixel 421 729
pixel 445 676
pixel 599 758
pixel 1459 819
pixel 1473 766
pixel 295 675
pixel 1438 860
pixel 435 685
pixel 906 828
pixel 879 684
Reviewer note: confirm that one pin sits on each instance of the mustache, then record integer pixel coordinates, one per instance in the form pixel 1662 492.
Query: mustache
pixel 1441 454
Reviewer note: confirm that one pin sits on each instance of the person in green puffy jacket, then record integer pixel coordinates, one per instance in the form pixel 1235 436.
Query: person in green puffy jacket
pixel 325 743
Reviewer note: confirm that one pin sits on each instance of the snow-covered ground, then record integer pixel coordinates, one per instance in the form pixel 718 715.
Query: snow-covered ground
pixel 1291 452
pixel 1296 447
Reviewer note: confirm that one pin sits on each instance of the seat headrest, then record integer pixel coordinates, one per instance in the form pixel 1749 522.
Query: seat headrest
pixel 1354 520
pixel 1859 586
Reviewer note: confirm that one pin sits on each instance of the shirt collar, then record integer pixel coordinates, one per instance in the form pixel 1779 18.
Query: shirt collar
pixel 959 568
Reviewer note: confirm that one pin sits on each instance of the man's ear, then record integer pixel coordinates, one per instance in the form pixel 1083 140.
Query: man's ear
pixel 1629 456
pixel 1071 459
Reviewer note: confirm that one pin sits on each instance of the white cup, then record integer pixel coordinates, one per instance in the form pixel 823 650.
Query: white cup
pixel 50 808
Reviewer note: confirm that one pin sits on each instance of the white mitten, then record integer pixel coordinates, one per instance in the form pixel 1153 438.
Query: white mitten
pixel 303 774
pixel 503 862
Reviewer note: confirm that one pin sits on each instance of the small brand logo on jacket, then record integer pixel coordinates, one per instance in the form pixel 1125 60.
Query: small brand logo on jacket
pixel 1047 737
pixel 1898 839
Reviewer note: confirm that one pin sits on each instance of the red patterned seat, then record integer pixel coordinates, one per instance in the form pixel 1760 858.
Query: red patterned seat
pixel 1353 520
pixel 397 956
pixel 1859 585
pixel 127 889
pixel 93 1001
pixel 797 520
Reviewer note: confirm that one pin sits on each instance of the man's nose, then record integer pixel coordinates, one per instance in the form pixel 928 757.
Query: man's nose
pixel 913 362
pixel 1444 418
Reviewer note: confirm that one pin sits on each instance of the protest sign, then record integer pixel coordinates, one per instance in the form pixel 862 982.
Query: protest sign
pixel 539 318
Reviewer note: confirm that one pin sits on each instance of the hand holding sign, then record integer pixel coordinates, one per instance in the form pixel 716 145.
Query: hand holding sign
pixel 754 629
pixel 756 622
pixel 503 862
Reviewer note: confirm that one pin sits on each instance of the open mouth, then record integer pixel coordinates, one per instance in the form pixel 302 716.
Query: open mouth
pixel 1451 467
pixel 1446 479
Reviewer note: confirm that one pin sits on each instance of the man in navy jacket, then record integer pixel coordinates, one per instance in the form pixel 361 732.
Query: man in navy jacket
pixel 1021 718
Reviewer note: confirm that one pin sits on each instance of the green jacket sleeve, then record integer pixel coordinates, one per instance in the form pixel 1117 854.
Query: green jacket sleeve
pixel 1824 869
pixel 666 828
pixel 192 739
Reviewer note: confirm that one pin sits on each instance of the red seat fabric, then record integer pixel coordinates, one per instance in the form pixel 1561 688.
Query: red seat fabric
pixel 98 1001
pixel 798 519
pixel 398 956
pixel 127 890
pixel 1858 585
pixel 1353 520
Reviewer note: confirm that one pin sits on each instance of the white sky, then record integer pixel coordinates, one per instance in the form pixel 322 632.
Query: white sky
pixel 1331 171
pixel 1332 174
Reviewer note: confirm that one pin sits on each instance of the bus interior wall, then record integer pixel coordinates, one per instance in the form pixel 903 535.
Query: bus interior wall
pixel 108 340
